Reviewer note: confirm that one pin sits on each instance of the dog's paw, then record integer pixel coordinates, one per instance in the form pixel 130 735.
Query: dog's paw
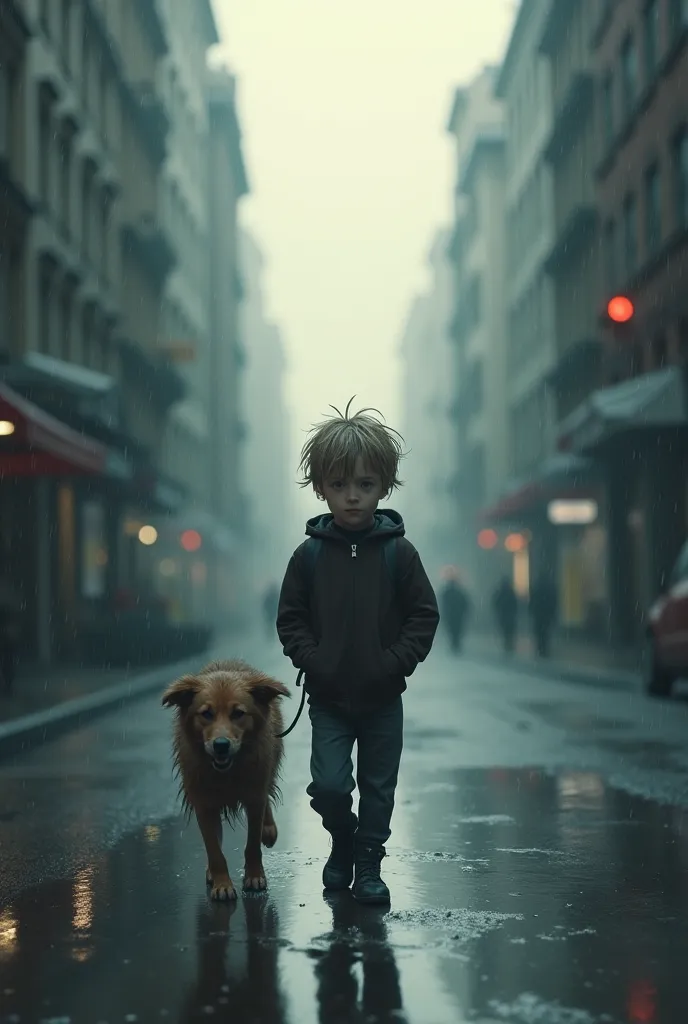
pixel 254 878
pixel 221 889
pixel 269 835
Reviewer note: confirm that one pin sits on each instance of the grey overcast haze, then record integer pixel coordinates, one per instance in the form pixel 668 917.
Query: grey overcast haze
pixel 343 109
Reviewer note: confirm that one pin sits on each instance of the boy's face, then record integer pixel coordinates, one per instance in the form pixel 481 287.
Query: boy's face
pixel 352 502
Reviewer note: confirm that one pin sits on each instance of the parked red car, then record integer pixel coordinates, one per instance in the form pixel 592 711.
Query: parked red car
pixel 667 633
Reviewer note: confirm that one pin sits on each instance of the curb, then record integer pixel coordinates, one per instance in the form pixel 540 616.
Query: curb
pixel 621 682
pixel 20 734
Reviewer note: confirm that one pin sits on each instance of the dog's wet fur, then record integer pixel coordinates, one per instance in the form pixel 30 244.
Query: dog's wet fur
pixel 227 754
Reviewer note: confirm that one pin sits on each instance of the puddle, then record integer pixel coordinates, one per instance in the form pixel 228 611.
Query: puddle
pixel 437 857
pixel 528 1009
pixel 485 819
pixel 531 851
pixel 573 905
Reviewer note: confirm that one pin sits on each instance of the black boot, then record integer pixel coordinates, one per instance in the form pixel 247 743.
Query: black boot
pixel 338 873
pixel 368 886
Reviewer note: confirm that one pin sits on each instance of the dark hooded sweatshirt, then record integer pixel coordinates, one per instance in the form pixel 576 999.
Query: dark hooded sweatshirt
pixel 354 631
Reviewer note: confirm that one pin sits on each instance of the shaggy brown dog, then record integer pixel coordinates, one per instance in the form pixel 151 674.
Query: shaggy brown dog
pixel 227 755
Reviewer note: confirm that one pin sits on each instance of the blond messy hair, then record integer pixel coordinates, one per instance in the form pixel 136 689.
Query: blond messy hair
pixel 336 443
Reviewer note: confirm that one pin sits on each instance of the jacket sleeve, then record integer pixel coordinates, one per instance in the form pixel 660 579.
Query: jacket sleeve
pixel 293 616
pixel 421 619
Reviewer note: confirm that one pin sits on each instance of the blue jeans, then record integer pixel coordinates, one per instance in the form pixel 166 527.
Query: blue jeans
pixel 380 737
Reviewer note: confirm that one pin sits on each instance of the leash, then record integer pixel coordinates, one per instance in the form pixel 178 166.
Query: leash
pixel 281 735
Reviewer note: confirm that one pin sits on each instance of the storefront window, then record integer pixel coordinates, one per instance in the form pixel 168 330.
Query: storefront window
pixel 94 552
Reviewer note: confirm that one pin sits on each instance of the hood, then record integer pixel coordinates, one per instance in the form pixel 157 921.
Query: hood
pixel 388 523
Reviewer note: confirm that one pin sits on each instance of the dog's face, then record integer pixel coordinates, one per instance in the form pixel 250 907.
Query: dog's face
pixel 220 710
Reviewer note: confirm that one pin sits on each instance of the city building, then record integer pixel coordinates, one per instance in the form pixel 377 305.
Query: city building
pixel 478 327
pixel 268 471
pixel 185 338
pixel 84 387
pixel 635 426
pixel 428 354
pixel 523 86
pixel 546 254
pixel 102 278
pixel 572 552
pixel 226 184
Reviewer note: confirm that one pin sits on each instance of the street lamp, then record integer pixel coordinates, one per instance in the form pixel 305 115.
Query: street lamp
pixel 488 539
pixel 191 540
pixel 148 535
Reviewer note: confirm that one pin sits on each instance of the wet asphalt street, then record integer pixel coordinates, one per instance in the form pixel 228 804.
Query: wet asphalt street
pixel 538 868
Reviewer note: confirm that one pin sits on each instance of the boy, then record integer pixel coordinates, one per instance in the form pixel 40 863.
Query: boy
pixel 357 621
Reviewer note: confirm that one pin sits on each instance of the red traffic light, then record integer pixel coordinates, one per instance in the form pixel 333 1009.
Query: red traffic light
pixel 191 540
pixel 620 309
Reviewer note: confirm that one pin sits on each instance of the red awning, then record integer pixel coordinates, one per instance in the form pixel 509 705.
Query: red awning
pixel 518 502
pixel 41 445
pixel 560 476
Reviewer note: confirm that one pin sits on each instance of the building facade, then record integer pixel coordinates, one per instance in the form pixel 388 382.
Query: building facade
pixel 89 136
pixel 479 323
pixel 524 87
pixel 428 498
pixel 226 184
pixel 88 379
pixel 272 532
pixel 189 579
pixel 635 426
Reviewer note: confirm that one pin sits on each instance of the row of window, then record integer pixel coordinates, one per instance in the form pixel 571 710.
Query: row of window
pixel 663 208
pixel 69 330
pixel 187 236
pixel 524 110
pixel 471 394
pixel 187 137
pixel 470 307
pixel 663 20
pixel 92 71
pixel 61 179
pixel 8 108
pixel 527 218
pixel 529 324
pixel 530 430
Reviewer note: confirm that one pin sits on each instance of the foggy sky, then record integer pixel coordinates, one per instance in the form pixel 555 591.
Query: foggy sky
pixel 343 108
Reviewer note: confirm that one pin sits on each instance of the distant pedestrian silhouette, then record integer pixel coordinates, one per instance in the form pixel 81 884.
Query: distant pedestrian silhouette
pixel 455 607
pixel 543 613
pixel 270 605
pixel 505 607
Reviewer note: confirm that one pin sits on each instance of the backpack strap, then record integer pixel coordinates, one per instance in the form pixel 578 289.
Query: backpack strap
pixel 311 550
pixel 389 553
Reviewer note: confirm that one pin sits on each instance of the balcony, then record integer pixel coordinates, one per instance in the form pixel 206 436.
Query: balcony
pixel 153 26
pixel 15 206
pixel 150 117
pixel 575 107
pixel 151 375
pixel 489 138
pixel 208 21
pixel 146 238
pixel 577 362
pixel 579 227
pixel 556 26
pixel 13 26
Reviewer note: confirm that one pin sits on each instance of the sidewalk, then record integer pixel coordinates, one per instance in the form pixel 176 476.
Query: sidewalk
pixel 36 689
pixel 49 701
pixel 578 661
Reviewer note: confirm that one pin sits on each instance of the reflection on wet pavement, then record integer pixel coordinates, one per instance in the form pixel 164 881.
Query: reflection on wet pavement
pixel 518 895
pixel 544 895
